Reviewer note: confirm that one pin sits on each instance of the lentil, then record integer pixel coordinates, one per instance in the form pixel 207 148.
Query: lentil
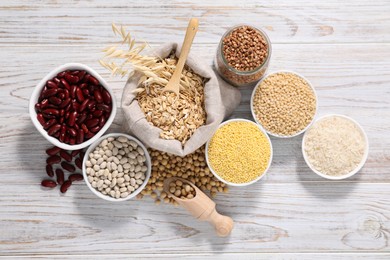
pixel 165 165
pixel 239 152
pixel 334 146
pixel 284 103
pixel 111 178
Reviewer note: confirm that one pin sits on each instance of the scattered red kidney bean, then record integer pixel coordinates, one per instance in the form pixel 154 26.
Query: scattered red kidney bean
pixel 53 159
pixel 67 166
pixel 49 170
pixel 78 163
pixel 48 183
pixel 75 177
pixel 75 152
pixel 60 176
pixel 71 101
pixel 53 151
pixel 65 186
pixel 65 156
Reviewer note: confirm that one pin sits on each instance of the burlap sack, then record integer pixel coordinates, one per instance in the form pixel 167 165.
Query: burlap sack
pixel 220 101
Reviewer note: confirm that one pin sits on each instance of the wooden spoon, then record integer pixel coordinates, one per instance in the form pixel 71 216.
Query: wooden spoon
pixel 174 83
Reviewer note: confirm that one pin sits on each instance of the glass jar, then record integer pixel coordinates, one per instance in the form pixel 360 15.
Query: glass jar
pixel 240 78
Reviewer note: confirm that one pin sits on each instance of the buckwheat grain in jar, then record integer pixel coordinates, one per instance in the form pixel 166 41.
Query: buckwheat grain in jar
pixel 243 55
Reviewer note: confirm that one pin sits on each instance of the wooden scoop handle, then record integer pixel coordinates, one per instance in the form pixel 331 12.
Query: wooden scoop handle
pixel 223 224
pixel 174 82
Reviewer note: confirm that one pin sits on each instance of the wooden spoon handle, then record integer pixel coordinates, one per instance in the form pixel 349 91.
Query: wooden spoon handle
pixel 223 224
pixel 189 38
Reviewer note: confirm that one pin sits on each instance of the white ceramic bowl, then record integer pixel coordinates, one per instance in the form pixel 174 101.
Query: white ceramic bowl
pixel 37 92
pixel 357 169
pixel 258 122
pixel 247 183
pixel 134 193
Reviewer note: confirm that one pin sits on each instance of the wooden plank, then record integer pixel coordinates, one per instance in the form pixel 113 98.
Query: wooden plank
pixel 269 217
pixel 88 22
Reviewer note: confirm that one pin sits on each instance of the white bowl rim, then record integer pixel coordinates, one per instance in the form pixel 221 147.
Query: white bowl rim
pixel 360 165
pixel 297 74
pixel 37 90
pixel 137 191
pixel 246 183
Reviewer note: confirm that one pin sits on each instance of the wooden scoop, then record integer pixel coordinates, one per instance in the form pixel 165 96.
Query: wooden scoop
pixel 202 208
pixel 174 83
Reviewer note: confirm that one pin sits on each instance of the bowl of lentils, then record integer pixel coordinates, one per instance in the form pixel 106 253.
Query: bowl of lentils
pixel 116 167
pixel 284 103
pixel 72 106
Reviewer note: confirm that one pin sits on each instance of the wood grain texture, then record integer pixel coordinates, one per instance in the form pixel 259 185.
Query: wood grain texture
pixel 343 48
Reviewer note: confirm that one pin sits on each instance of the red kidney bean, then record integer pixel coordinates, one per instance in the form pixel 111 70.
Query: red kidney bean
pixel 92 122
pixel 57 81
pixel 49 92
pixel 49 170
pixel 75 177
pixel 57 135
pixel 66 156
pixel 89 135
pixel 71 78
pixel 48 183
pixel 51 84
pixel 98 96
pixel 81 74
pixel 84 127
pixel 83 85
pixel 38 107
pixel 62 133
pixel 67 138
pixel 106 97
pixel 41 119
pixel 62 112
pixel 53 151
pixel 80 136
pixel 76 127
pixel 53 159
pixel 81 118
pixel 81 155
pixel 65 186
pixel 72 140
pixel 103 107
pixel 102 121
pixel 72 132
pixel 67 166
pixel 51 111
pixel 75 105
pixel 67 113
pixel 93 80
pixel 67 94
pixel 60 176
pixel 54 129
pixel 55 100
pixel 74 73
pixel 73 89
pixel 85 92
pixel 61 74
pixel 49 123
pixel 65 84
pixel 72 118
pixel 61 120
pixel 95 129
pixel 61 96
pixel 64 103
pixel 86 78
pixel 78 163
pixel 75 152
pixel 79 95
pixel 91 105
pixel 83 105
pixel 97 113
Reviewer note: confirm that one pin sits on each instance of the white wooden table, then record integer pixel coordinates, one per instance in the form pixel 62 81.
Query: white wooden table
pixel 342 47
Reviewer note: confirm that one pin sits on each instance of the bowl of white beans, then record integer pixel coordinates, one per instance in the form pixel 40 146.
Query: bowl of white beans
pixel 117 167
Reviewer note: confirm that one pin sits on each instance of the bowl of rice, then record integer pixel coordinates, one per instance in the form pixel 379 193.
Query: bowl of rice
pixel 335 147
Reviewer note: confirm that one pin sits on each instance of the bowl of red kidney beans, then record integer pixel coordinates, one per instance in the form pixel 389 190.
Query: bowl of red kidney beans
pixel 72 106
